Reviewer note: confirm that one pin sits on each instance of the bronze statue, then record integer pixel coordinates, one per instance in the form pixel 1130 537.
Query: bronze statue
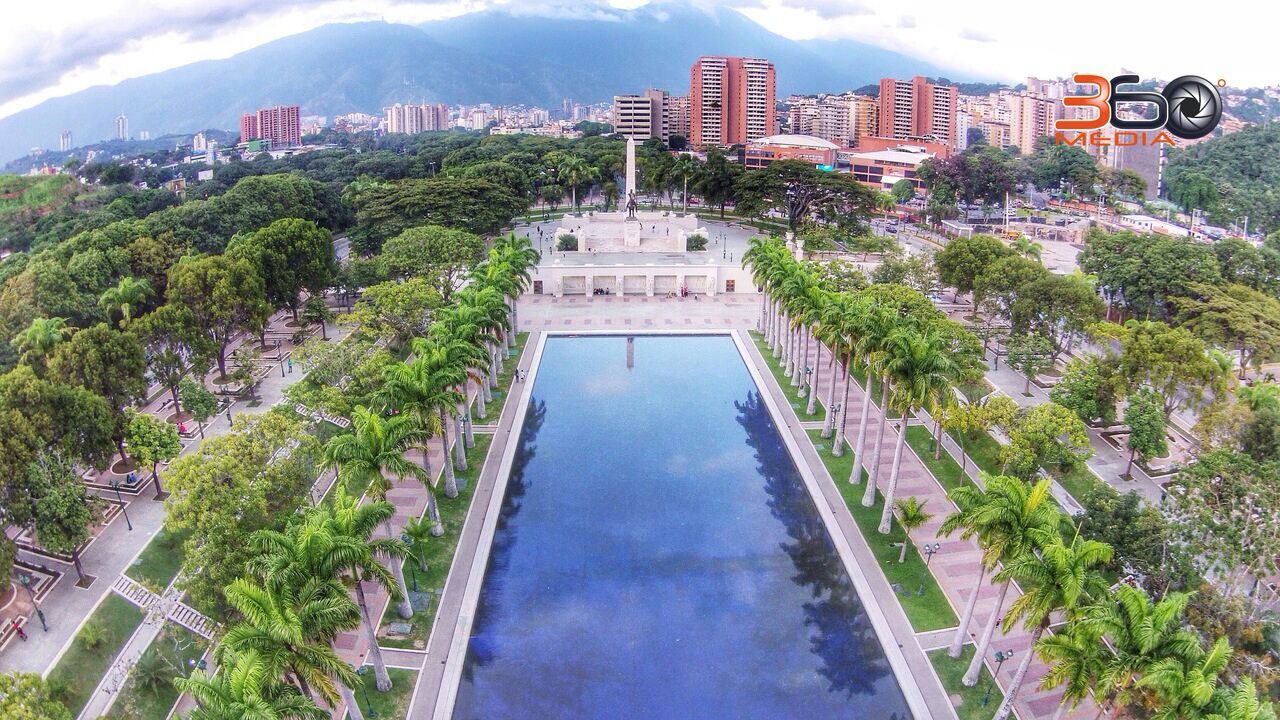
pixel 631 205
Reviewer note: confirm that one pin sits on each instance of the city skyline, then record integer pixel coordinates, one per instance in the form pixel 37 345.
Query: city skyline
pixel 101 44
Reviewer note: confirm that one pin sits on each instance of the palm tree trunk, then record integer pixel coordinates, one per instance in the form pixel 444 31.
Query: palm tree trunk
pixel 1012 693
pixel 383 680
pixel 403 608
pixel 450 482
pixel 468 430
pixel 812 407
pixel 874 470
pixel 459 443
pixel 962 630
pixel 828 420
pixel 349 699
pixel 764 301
pixel 937 438
pixel 778 319
pixel 482 393
pixel 886 515
pixel 838 442
pixel 855 477
pixel 984 643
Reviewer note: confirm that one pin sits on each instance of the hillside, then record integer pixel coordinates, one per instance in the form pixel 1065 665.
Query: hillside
pixel 491 56
pixel 1243 170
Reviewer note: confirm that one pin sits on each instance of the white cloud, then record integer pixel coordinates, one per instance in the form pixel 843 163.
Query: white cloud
pixel 94 42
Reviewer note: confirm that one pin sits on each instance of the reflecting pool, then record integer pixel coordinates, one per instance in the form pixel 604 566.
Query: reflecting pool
pixel 658 555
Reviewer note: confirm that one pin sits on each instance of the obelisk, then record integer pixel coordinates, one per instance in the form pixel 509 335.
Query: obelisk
pixel 631 170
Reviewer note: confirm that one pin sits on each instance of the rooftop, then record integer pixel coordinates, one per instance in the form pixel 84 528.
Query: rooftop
pixel 808 141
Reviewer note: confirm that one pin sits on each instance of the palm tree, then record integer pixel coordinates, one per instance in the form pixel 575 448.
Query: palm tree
pixel 1139 633
pixel 374 449
pixel 873 337
pixel 921 372
pixel 37 340
pixel 576 171
pixel 1243 704
pixel 521 258
pixel 245 689
pixel 1186 687
pixel 127 296
pixel 911 515
pixel 408 389
pixel 833 332
pixel 1260 396
pixel 1075 663
pixel 438 372
pixel 1009 519
pixel 419 534
pixel 290 629
pixel 1060 578
pixel 685 167
pixel 1029 249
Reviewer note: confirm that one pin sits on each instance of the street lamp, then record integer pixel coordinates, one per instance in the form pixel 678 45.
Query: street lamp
pixel 364 690
pixel 27 580
pixel 928 551
pixel 124 507
pixel 1000 656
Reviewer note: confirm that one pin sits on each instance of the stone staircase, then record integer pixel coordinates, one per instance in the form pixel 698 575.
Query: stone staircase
pixel 169 605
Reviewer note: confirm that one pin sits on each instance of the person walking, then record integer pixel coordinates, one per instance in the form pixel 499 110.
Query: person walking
pixel 18 629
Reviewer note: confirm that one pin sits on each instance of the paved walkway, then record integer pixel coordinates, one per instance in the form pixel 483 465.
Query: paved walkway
pixel 955 567
pixel 66 606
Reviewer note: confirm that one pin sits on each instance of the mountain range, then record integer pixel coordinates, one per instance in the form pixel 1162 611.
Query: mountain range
pixel 491 56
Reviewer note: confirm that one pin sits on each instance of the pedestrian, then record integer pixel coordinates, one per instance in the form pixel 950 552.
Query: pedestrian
pixel 290 365
pixel 18 629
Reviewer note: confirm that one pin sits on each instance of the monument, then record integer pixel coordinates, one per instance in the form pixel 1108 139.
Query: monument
pixel 631 229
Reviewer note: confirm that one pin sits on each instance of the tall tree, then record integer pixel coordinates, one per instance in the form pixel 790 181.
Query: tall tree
pixel 152 442
pixel 290 255
pixel 1146 428
pixel 225 295
pixel 109 363
pixel 245 689
pixel 439 255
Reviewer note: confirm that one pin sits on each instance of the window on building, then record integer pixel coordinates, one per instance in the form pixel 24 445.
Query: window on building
pixel 729 285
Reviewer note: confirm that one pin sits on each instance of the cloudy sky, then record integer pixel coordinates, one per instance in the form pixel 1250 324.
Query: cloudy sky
pixel 46 53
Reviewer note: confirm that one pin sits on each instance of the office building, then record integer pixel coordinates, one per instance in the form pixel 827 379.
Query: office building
pixel 122 127
pixel 881 169
pixel 64 141
pixel 642 116
pixel 731 101
pixel 917 109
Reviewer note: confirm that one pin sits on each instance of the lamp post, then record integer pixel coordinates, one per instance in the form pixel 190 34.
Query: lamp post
pixel 1001 656
pixel 26 580
pixel 124 507
pixel 929 551
pixel 364 690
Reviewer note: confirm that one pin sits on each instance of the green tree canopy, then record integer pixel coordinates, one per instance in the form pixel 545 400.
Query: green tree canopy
pixel 434 253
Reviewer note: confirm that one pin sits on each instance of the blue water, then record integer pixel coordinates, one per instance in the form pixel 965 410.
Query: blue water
pixel 658 556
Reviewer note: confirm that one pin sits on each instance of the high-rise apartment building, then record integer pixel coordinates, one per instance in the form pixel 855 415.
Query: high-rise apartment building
pixel 865 120
pixel 122 127
pixel 678 115
pixel 249 127
pixel 1030 118
pixel 281 125
pixel 917 109
pixel 730 100
pixel 64 140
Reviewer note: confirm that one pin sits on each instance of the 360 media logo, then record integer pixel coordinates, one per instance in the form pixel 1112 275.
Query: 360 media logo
pixel 1189 107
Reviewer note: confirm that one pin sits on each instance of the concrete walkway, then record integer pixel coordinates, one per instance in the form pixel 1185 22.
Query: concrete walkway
pixel 67 606
pixel 955 568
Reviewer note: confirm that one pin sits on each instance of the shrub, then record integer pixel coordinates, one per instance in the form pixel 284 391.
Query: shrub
pixel 696 242
pixel 567 241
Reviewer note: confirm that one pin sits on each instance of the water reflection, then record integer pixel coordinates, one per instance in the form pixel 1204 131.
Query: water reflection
pixel 657 555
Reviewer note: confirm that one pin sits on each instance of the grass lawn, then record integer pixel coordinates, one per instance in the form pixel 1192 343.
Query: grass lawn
pixel 160 560
pixel 799 404
pixel 966 700
pixel 1077 481
pixel 149 692
pixel 394 703
pixel 982 449
pixel 944 468
pixel 976 390
pixel 452 514
pixel 929 611
pixel 86 661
